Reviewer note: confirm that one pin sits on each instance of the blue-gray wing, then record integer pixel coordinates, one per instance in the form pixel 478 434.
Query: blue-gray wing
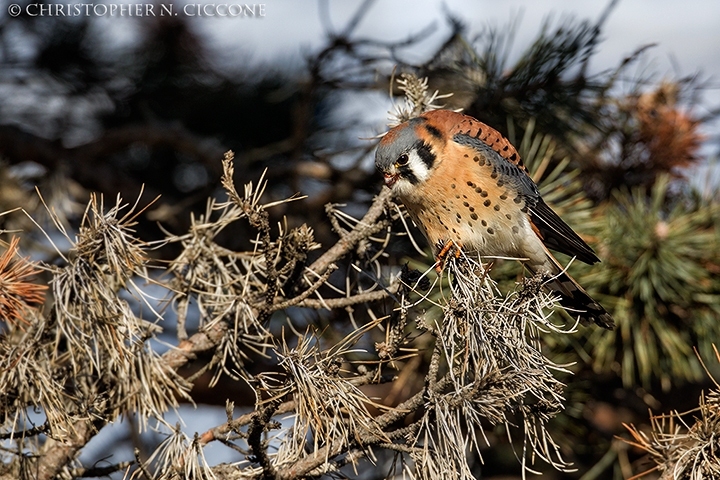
pixel 552 230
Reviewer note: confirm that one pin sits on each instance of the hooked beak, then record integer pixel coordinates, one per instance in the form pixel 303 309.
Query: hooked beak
pixel 390 179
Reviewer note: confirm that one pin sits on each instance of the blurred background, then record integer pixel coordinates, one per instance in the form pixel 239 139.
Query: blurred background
pixel 624 95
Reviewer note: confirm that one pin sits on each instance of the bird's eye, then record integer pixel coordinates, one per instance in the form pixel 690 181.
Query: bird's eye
pixel 403 160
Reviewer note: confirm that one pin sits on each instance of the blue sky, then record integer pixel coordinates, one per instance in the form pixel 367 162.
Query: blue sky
pixel 688 31
pixel 686 34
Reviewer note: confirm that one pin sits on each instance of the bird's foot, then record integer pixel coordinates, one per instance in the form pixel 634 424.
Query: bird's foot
pixel 444 249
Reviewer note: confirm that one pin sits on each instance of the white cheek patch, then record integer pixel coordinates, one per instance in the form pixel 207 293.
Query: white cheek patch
pixel 417 173
pixel 417 166
pixel 413 174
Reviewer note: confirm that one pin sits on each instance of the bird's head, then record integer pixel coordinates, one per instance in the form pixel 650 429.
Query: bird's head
pixel 406 155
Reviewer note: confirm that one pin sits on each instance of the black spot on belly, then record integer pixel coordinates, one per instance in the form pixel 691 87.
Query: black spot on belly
pixel 466 204
pixel 490 231
pixel 497 207
pixel 474 216
pixel 503 196
pixel 516 229
pixel 508 216
pixel 484 223
pixel 487 203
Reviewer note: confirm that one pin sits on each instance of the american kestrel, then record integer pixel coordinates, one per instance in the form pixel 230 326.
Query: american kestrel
pixel 464 185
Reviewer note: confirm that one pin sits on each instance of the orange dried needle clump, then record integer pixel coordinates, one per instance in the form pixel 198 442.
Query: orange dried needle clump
pixel 16 293
pixel 671 136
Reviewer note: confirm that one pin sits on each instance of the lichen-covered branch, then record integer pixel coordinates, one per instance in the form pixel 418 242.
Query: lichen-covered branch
pixel 347 356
